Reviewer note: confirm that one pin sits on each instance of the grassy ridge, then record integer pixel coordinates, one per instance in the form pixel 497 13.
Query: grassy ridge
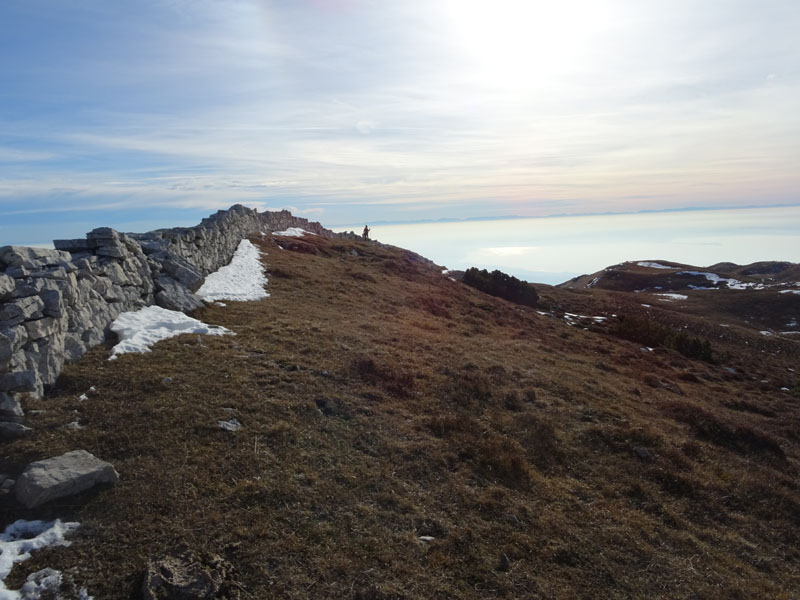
pixel 383 405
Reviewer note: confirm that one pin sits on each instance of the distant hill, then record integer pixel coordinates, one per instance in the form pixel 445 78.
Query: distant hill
pixel 650 275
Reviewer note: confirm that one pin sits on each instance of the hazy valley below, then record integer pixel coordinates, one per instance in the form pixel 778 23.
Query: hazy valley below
pixel 555 249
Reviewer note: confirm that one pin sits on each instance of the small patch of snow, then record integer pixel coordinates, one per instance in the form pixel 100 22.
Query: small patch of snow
pixel 139 330
pixel 74 425
pixel 83 397
pixel 765 332
pixel 654 265
pixel 647 306
pixel 16 544
pixel 426 538
pixel 240 280
pixel 293 232
pixel 669 297
pixel 789 292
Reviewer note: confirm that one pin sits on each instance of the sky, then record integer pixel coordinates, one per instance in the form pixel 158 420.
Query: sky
pixel 154 113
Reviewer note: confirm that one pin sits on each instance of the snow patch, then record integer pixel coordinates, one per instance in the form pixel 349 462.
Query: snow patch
pixel 293 232
pixel 240 280
pixel 789 292
pixel 732 284
pixel 654 265
pixel 670 297
pixel 139 330
pixel 16 544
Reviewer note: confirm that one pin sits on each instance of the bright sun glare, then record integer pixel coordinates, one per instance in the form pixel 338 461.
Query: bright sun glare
pixel 517 43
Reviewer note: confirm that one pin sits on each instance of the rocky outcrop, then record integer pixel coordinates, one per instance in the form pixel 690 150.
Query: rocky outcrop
pixel 55 304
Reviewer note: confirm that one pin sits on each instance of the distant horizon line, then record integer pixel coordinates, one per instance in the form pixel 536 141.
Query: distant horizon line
pixel 566 215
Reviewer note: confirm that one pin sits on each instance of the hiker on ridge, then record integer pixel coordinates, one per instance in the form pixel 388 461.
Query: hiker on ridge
pixel 366 233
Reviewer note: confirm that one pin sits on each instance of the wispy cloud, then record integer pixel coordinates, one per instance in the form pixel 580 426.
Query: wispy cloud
pixel 381 109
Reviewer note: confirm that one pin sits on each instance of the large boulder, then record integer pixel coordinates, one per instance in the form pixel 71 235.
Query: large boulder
pixel 64 475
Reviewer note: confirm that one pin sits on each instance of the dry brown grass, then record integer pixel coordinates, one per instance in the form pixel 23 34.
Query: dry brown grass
pixel 382 402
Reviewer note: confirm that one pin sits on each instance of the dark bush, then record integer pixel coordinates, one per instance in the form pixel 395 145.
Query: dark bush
pixel 651 333
pixel 397 381
pixel 710 427
pixel 501 285
pixel 503 460
pixel 540 440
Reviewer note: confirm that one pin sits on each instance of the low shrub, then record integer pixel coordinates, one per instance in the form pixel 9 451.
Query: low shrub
pixel 449 426
pixel 393 379
pixel 710 427
pixel 651 333
pixel 503 460
pixel 540 440
pixel 468 388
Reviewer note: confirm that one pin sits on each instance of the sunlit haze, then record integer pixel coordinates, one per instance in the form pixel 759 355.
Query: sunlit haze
pixel 552 250
pixel 156 113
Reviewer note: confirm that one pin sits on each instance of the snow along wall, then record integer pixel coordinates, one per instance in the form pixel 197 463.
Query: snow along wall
pixel 56 304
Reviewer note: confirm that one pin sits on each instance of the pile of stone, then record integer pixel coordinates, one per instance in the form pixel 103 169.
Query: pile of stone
pixel 56 304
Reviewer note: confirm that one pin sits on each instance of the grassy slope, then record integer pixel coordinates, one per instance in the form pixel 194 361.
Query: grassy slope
pixel 382 402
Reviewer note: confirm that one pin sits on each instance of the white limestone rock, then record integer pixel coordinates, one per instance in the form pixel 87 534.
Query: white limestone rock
pixel 61 476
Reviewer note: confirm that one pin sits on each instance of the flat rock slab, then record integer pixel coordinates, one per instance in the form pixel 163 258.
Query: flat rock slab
pixel 64 475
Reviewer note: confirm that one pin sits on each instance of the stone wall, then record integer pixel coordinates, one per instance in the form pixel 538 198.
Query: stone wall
pixel 56 304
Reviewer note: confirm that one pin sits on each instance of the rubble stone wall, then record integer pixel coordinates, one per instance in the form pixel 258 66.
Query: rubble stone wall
pixel 56 304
